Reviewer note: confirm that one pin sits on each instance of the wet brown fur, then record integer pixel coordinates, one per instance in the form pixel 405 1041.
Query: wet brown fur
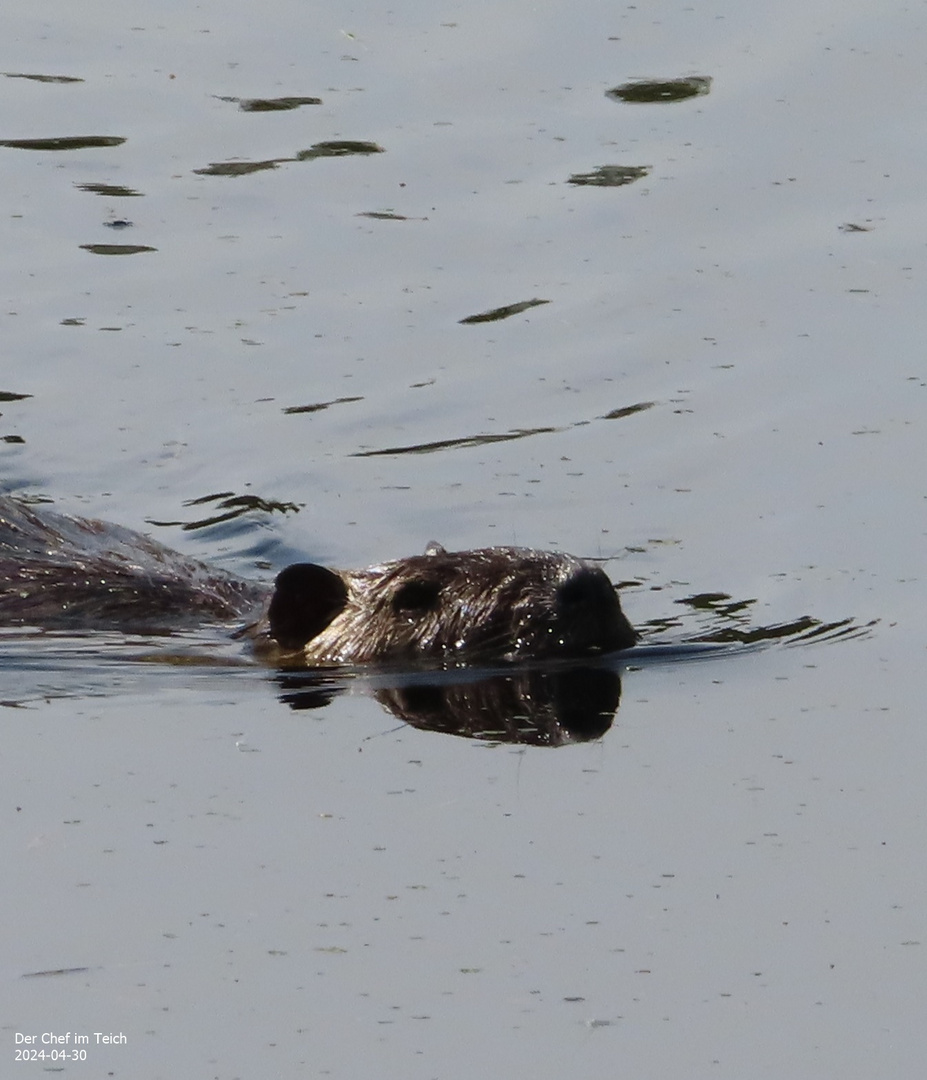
pixel 500 603
pixel 491 604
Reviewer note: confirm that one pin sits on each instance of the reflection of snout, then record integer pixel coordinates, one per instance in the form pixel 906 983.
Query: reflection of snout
pixel 540 708
pixel 585 701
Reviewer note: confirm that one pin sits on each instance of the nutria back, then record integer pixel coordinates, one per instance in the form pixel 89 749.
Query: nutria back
pixel 73 573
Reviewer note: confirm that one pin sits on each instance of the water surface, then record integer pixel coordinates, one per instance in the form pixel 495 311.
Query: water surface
pixel 722 396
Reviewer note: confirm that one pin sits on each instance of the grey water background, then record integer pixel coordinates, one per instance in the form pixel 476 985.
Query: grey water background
pixel 732 880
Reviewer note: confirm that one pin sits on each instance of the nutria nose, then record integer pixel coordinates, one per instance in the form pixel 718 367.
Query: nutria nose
pixel 589 601
pixel 587 587
pixel 587 592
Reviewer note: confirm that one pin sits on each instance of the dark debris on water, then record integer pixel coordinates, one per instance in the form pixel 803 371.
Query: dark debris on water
pixel 505 312
pixel 660 91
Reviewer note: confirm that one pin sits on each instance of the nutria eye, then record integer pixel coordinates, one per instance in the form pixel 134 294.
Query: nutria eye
pixel 417 596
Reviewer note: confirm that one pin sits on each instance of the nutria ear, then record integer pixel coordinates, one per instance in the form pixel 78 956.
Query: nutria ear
pixel 306 599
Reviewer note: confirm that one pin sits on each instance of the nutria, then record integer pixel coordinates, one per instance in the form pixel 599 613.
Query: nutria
pixel 502 603
pixel 449 608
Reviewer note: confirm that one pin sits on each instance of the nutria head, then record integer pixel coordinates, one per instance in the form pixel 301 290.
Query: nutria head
pixel 447 607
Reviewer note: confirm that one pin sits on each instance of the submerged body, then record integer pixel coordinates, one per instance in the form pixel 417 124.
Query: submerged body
pixel 490 604
pixel 64 572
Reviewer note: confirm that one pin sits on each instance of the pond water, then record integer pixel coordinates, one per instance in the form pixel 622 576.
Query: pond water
pixel 242 252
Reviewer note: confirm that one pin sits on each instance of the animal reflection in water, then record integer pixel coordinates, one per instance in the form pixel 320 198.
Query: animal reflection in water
pixel 550 705
pixel 547 703
pixel 519 643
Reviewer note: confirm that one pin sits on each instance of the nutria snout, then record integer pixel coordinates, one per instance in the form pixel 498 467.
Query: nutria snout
pixel 450 607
